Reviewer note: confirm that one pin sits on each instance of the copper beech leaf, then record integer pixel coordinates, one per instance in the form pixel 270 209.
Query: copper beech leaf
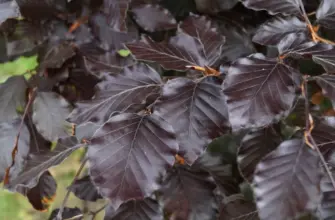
pixel 188 194
pixel 8 132
pixel 197 43
pixel 116 12
pixel 326 209
pixel 126 91
pixel 258 90
pixel 49 113
pixel 214 6
pixel 272 32
pixel 127 155
pixel 254 146
pixel 8 9
pixel 299 46
pixel 37 163
pixel 159 19
pixel 327 83
pixel 238 208
pixel 326 14
pixel 286 181
pixel 12 98
pixel 286 7
pixel 84 189
pixel 43 194
pixel 196 110
pixel 135 210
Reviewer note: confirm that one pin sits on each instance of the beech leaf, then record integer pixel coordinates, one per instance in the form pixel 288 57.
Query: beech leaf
pixel 286 7
pixel 196 110
pixel 127 155
pixel 84 189
pixel 326 14
pixel 116 11
pixel 286 181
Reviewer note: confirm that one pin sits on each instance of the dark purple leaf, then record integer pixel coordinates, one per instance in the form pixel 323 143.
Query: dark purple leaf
pixel 254 146
pixel 202 29
pixel 8 132
pixel 38 162
pixel 214 6
pixel 127 155
pixel 286 7
pixel 41 9
pixel 42 195
pixel 272 32
pixel 297 45
pixel 326 209
pixel 179 9
pixel 258 90
pixel 196 44
pixel 8 9
pixel 127 91
pixel 84 189
pixel 188 195
pixel 68 213
pixel 327 83
pixel 116 12
pixel 238 208
pixel 326 14
pixel 56 55
pixel 196 110
pixel 110 38
pixel 238 43
pixel 286 181
pixel 100 62
pixel 135 210
pixel 153 18
pixel 49 113
pixel 324 136
pixel 12 98
pixel 221 172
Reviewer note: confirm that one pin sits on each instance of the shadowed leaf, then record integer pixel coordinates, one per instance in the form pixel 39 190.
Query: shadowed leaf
pixel 116 11
pixel 326 14
pixel 12 98
pixel 326 209
pixel 127 155
pixel 274 30
pixel 214 6
pixel 286 181
pixel 327 83
pixel 254 146
pixel 135 210
pixel 50 112
pixel 124 92
pixel 258 90
pixel 196 110
pixel 238 209
pixel 153 18
pixel 68 213
pixel 84 189
pixel 188 195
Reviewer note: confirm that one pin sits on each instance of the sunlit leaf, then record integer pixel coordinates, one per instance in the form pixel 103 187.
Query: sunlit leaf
pixel 188 195
pixel 159 19
pixel 84 189
pixel 12 98
pixel 286 181
pixel 50 112
pixel 196 110
pixel 19 67
pixel 135 210
pixel 8 9
pixel 274 30
pixel 286 7
pixel 126 91
pixel 326 14
pixel 259 90
pixel 254 146
pixel 127 155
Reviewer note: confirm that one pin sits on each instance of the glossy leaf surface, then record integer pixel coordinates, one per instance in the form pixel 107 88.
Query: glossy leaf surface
pixel 286 7
pixel 85 190
pixel 326 14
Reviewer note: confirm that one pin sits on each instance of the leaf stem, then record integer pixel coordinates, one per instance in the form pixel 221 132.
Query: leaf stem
pixel 61 209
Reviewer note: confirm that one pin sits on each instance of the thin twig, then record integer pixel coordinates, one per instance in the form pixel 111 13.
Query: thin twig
pixel 16 148
pixel 61 209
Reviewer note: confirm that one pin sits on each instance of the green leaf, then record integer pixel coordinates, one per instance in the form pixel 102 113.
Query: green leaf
pixel 124 52
pixel 21 66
